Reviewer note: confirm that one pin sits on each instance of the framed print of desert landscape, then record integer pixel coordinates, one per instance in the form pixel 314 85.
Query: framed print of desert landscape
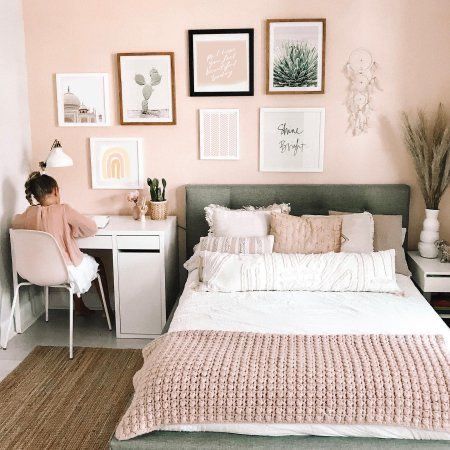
pixel 82 99
pixel 295 56
pixel 146 88
pixel 291 139
pixel 221 62
pixel 117 163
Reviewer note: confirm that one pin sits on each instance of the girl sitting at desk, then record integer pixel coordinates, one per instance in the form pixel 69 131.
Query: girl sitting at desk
pixel 65 225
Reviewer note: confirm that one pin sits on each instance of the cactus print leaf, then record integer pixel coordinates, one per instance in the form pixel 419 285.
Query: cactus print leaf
pixel 147 91
pixel 140 79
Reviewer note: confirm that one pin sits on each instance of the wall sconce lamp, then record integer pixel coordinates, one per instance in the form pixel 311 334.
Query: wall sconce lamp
pixel 56 157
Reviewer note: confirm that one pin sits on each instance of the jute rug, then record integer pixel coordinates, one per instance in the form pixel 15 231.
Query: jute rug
pixel 51 402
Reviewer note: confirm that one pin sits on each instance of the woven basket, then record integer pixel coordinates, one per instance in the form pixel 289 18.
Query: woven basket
pixel 158 210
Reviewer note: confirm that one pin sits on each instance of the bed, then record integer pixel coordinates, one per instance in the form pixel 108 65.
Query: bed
pixel 277 312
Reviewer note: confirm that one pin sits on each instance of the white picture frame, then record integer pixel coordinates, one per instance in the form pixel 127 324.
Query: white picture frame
pixel 219 134
pixel 291 139
pixel 117 163
pixel 83 99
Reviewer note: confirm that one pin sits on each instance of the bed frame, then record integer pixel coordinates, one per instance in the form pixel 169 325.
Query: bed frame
pixel 304 199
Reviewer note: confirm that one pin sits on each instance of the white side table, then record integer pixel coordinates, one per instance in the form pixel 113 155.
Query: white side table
pixel 430 275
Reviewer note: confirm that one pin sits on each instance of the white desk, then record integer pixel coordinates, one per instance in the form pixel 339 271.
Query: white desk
pixel 145 270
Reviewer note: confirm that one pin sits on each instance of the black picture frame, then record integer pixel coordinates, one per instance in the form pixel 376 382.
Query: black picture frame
pixel 250 91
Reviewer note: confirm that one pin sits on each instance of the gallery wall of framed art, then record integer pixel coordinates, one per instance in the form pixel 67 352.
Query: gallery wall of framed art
pixel 221 63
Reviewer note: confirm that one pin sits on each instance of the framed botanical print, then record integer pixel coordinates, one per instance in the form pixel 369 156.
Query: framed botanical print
pixel 83 99
pixel 221 62
pixel 291 139
pixel 147 88
pixel 295 56
pixel 117 163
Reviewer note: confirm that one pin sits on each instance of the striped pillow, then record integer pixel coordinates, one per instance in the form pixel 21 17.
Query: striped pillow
pixel 251 245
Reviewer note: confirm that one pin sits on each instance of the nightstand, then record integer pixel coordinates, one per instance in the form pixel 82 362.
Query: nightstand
pixel 430 275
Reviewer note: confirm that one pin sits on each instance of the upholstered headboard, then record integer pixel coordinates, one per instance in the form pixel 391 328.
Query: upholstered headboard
pixel 304 199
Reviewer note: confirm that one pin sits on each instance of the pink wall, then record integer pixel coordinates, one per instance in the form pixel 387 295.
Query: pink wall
pixel 410 40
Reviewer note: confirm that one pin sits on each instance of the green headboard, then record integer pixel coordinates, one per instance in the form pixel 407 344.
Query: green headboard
pixel 304 199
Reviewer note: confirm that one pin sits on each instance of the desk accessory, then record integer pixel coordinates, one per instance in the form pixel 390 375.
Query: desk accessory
pixel 158 203
pixel 133 198
pixel 56 158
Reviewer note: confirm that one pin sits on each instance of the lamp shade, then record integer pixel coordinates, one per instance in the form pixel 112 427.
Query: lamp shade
pixel 57 158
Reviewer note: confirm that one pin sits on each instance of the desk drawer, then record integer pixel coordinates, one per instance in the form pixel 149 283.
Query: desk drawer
pixel 95 242
pixel 138 243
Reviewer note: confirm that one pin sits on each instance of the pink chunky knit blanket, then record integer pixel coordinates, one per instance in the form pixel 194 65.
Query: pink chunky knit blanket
pixel 198 377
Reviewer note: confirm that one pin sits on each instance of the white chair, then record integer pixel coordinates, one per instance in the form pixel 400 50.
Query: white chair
pixel 38 259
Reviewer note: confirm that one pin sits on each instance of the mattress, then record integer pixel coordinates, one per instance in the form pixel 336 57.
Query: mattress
pixel 310 313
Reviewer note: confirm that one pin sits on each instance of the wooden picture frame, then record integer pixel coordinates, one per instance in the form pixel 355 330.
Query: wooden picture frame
pixel 308 38
pixel 221 62
pixel 156 70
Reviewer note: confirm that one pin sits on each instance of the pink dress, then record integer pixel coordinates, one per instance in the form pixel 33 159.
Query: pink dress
pixel 65 225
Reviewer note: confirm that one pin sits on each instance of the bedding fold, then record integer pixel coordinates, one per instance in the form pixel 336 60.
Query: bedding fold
pixel 195 377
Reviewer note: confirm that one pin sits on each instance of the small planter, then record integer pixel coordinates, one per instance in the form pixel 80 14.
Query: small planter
pixel 158 210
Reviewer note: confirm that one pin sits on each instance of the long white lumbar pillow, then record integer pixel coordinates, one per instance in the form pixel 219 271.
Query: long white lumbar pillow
pixel 333 272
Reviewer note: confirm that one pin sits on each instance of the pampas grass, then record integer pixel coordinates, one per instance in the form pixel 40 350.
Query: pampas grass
pixel 429 145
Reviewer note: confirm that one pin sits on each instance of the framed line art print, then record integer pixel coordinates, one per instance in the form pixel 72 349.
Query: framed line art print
pixel 295 56
pixel 221 62
pixel 291 139
pixel 82 99
pixel 219 134
pixel 117 163
pixel 147 88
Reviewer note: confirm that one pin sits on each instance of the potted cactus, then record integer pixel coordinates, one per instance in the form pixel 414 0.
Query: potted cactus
pixel 158 203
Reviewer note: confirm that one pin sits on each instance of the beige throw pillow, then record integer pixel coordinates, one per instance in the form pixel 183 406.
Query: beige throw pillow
pixel 357 231
pixel 306 234
pixel 389 234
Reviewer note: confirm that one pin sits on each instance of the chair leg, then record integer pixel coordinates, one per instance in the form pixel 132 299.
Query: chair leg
pixel 46 302
pixel 71 324
pixel 11 316
pixel 99 280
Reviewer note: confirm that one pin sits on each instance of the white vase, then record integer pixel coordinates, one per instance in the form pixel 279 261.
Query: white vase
pixel 429 234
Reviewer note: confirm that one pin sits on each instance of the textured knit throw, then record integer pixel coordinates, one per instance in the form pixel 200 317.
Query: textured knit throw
pixel 198 377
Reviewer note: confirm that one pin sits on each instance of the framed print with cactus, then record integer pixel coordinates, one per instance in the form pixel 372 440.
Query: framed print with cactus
pixel 117 163
pixel 291 139
pixel 221 62
pixel 295 56
pixel 147 88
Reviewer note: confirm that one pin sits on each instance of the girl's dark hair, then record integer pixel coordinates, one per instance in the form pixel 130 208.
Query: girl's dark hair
pixel 38 186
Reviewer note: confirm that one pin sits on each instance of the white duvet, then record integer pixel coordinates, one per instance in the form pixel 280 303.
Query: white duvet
pixel 310 313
